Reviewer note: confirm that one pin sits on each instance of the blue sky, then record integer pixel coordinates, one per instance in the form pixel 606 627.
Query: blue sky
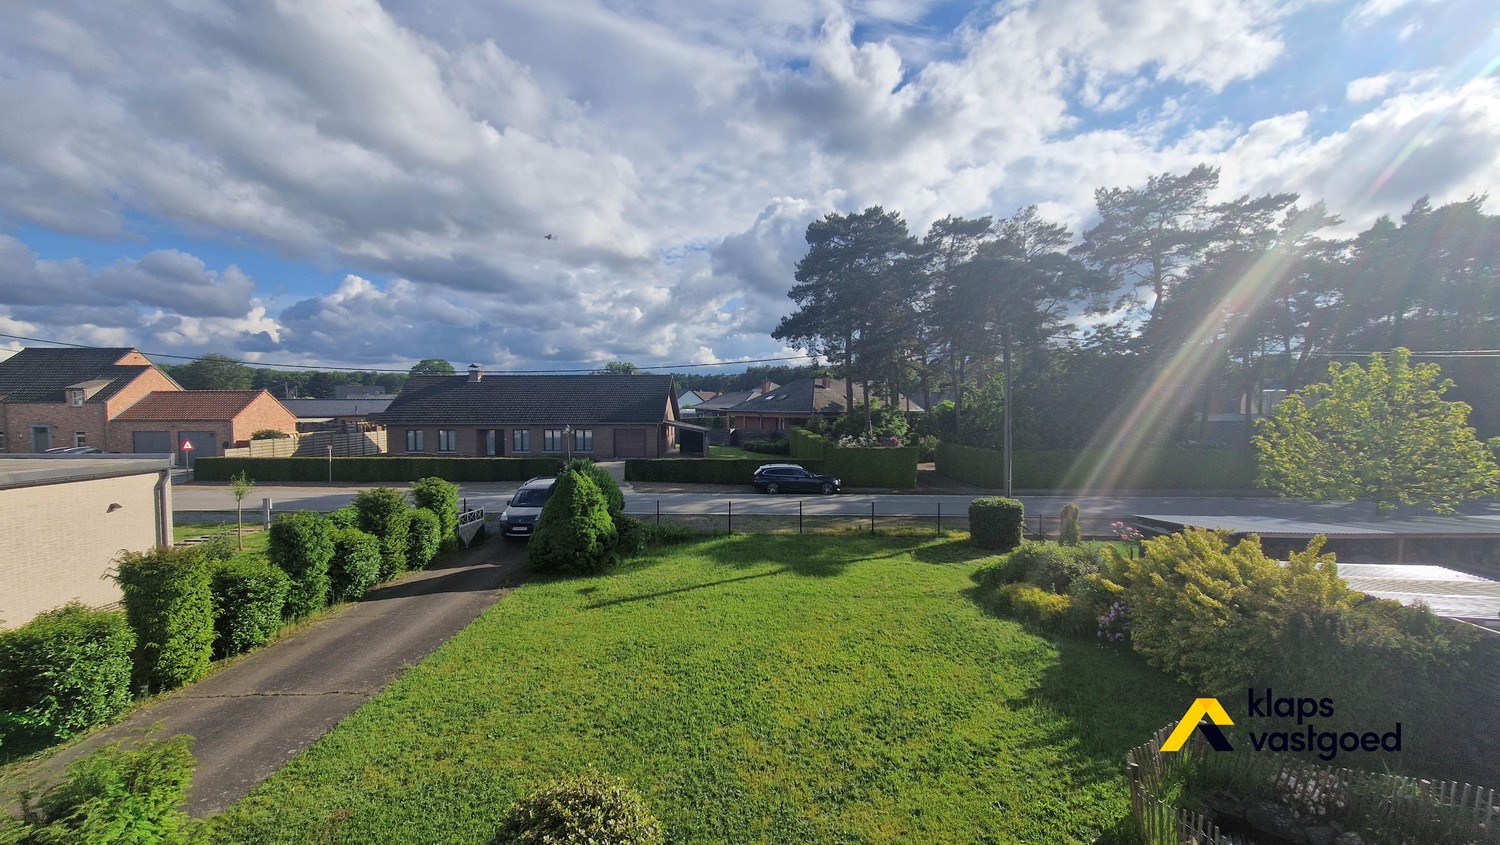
pixel 351 183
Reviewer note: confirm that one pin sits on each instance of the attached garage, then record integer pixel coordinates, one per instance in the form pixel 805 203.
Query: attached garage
pixel 630 443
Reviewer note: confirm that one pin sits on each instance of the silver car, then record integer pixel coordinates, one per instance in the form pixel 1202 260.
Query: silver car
pixel 521 512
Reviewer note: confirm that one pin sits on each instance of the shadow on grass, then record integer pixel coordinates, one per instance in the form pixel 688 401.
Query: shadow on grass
pixel 677 590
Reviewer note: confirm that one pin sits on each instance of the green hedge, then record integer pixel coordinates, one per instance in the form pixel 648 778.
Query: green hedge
pixel 249 597
pixel 170 604
pixel 1138 469
pixel 702 470
pixel 66 670
pixel 807 446
pixel 355 566
pixel 996 523
pixel 383 468
pixel 440 497
pixel 875 466
pixel 424 536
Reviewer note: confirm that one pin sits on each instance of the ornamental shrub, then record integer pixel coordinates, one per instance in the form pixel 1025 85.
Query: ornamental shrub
pixel 355 566
pixel 574 534
pixel 344 517
pixel 249 597
pixel 614 499
pixel 66 670
pixel 1069 532
pixel 589 809
pixel 440 497
pixel 301 544
pixel 630 534
pixel 423 538
pixel 116 796
pixel 169 602
pixel 384 513
pixel 1036 606
pixel 995 523
pixel 768 447
pixel 269 434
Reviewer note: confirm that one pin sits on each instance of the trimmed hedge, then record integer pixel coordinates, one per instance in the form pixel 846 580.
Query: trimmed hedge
pixel 805 445
pixel 995 523
pixel 1138 469
pixel 170 604
pixel 384 513
pixel 868 466
pixel 702 470
pixel 301 544
pixel 423 538
pixel 355 566
pixel 440 497
pixel 375 468
pixel 249 597
pixel 66 670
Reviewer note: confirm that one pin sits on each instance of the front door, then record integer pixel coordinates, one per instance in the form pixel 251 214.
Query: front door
pixel 41 438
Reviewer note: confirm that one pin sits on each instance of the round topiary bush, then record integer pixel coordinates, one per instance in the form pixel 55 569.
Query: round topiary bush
pixel 574 534
pixel 590 809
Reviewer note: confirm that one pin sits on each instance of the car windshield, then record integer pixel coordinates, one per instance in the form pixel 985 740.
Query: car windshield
pixel 533 498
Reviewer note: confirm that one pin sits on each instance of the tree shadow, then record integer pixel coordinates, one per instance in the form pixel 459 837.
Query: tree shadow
pixel 676 590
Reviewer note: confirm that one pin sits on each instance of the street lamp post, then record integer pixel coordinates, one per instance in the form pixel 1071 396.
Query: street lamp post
pixel 567 443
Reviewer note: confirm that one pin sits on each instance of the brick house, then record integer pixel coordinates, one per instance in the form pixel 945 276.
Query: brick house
pixel 66 397
pixel 212 420
pixel 794 403
pixel 64 520
pixel 595 416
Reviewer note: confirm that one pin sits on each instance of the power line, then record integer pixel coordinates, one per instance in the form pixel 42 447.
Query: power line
pixel 274 366
pixel 1442 353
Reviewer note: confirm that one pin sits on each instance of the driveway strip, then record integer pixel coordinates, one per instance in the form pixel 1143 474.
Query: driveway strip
pixel 251 718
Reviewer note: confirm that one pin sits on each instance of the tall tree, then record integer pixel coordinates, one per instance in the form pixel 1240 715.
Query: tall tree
pixel 849 298
pixel 932 278
pixel 214 372
pixel 432 367
pixel 617 368
pixel 1382 434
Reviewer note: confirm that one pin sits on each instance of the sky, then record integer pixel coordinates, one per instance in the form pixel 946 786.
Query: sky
pixel 350 183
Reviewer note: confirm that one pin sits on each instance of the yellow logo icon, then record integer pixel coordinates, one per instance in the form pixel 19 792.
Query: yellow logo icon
pixel 1202 708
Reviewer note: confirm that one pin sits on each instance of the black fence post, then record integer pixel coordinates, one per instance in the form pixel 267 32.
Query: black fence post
pixel 731 516
pixel 940 517
pixel 799 517
pixel 872 517
pixel 658 511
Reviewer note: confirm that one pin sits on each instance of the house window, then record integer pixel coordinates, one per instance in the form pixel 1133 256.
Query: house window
pixel 447 440
pixel 414 440
pixel 583 440
pixel 2 442
pixel 491 442
pixel 552 440
pixel 80 438
pixel 520 440
pixel 76 398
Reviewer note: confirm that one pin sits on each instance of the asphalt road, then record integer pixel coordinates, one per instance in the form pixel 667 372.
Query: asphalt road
pixel 255 715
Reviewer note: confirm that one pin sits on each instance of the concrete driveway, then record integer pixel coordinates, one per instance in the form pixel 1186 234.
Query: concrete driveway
pixel 252 717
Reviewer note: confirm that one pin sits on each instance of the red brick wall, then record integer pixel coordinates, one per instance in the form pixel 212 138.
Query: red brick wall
pixel 132 393
pixel 470 441
pixel 122 432
pixel 16 421
pixel 265 412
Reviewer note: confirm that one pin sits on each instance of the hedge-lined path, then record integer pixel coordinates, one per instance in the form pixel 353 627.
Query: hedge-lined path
pixel 252 717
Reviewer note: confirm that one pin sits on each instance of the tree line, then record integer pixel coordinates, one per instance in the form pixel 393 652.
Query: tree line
pixel 1257 291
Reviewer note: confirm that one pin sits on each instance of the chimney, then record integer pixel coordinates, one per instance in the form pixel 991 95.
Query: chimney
pixel 476 374
pixel 765 386
pixel 826 382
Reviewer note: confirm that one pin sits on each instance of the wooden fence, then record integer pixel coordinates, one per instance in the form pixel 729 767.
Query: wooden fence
pixel 346 444
pixel 1398 804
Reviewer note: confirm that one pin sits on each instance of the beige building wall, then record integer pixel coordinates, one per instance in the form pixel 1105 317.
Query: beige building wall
pixel 57 541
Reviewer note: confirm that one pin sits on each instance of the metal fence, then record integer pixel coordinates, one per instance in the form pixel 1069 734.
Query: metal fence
pixel 757 516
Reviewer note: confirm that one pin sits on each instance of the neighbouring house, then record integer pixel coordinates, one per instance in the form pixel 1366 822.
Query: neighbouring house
pixel 719 405
pixel 794 403
pixel 361 391
pixel 67 397
pixel 64 520
pixel 596 416
pixel 688 400
pixel 210 420
pixel 336 414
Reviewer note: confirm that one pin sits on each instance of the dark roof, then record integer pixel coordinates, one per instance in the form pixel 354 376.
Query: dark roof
pixel 41 375
pixel 804 396
pixel 192 405
pixel 725 401
pixel 323 408
pixel 530 400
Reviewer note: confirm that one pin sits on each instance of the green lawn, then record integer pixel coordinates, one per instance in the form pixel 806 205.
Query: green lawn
pixel 772 689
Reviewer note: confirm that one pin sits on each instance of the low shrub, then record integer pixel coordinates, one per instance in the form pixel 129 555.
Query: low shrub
pixel 423 538
pixel 384 513
pixel 589 809
pixel 1052 566
pixel 115 796
pixel 344 517
pixel 440 497
pixel 1035 606
pixel 995 523
pixel 927 448
pixel 574 534
pixel 355 565
pixel 301 545
pixel 249 598
pixel 630 535
pixel 768 447
pixel 66 670
pixel 1069 532
pixel 169 602
pixel 269 434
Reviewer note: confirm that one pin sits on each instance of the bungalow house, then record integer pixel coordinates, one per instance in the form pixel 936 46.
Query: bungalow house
pixel 211 420
pixel 595 416
pixel 719 405
pixel 336 414
pixel 794 403
pixel 67 397
pixel 688 400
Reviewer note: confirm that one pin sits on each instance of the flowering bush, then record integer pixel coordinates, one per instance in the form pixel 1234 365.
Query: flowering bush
pixel 1311 793
pixel 1127 534
pixel 850 441
pixel 1114 625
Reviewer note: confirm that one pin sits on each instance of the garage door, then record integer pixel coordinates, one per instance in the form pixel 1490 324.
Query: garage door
pixel 630 443
pixel 205 445
pixel 155 442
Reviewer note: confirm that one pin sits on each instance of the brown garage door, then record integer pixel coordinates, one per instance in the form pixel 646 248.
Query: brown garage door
pixel 630 443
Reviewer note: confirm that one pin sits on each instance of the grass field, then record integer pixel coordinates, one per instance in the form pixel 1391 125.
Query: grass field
pixel 770 689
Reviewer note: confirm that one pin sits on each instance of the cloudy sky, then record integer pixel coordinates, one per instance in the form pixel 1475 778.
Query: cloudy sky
pixel 352 183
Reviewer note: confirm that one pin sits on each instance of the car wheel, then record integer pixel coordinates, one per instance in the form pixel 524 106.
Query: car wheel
pixel 773 489
pixel 827 489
